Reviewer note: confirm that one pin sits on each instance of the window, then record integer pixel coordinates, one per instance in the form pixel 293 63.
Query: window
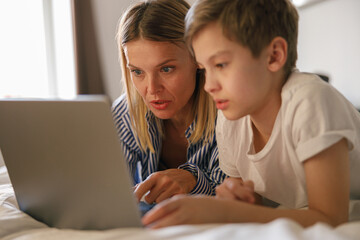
pixel 36 49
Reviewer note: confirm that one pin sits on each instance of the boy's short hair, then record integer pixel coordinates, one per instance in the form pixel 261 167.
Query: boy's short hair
pixel 252 23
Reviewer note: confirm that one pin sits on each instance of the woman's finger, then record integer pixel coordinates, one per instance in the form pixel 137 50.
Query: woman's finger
pixel 162 184
pixel 168 193
pixel 144 187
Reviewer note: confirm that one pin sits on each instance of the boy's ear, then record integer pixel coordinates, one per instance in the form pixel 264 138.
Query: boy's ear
pixel 277 54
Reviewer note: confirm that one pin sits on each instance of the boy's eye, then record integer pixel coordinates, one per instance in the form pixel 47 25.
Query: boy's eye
pixel 136 72
pixel 220 65
pixel 167 69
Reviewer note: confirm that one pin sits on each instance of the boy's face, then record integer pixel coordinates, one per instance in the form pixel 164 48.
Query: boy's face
pixel 239 83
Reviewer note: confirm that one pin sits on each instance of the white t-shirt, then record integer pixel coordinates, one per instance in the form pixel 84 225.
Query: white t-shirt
pixel 313 116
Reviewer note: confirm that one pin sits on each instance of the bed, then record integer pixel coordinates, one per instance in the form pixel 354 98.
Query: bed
pixel 14 224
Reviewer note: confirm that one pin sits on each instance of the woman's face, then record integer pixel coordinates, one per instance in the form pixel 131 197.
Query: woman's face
pixel 164 75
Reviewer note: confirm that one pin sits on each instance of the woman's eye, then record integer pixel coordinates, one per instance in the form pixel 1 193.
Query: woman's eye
pixel 136 72
pixel 167 69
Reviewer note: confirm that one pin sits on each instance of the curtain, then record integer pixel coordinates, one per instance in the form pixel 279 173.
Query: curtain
pixel 88 72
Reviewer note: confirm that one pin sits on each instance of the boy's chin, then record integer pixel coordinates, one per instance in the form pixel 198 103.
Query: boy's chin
pixel 231 115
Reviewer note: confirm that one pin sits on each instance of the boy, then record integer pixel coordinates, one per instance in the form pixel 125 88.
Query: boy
pixel 295 140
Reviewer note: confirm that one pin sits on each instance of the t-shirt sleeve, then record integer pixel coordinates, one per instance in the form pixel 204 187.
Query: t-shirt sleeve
pixel 321 118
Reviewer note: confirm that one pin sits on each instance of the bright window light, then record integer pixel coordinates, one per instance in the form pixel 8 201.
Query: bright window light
pixel 29 30
pixel 299 2
pixel 64 49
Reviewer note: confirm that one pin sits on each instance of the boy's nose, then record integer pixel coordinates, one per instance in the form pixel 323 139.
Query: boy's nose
pixel 211 83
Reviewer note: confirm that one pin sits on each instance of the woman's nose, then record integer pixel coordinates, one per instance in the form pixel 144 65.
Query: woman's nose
pixel 154 84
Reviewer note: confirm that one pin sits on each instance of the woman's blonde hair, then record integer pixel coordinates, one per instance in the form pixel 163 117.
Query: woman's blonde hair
pixel 163 21
pixel 251 23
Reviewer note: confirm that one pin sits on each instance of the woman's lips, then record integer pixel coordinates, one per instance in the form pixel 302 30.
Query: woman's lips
pixel 221 104
pixel 160 104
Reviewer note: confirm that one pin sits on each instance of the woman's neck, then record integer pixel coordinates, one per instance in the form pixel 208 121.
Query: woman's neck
pixel 182 120
pixel 174 145
pixel 177 125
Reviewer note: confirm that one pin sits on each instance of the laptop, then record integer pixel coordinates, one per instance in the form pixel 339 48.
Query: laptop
pixel 66 164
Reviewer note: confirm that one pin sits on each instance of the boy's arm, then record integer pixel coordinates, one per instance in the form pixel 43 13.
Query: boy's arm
pixel 327 177
pixel 328 183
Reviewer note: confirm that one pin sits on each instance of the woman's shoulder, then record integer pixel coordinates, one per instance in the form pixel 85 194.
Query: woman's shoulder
pixel 120 106
pixel 120 109
pixel 121 114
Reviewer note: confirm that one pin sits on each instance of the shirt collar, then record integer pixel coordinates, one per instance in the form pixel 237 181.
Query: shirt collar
pixel 190 130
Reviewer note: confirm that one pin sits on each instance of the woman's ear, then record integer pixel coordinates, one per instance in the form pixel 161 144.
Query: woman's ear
pixel 277 54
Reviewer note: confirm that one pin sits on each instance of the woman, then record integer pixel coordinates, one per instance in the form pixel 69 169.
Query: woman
pixel 165 120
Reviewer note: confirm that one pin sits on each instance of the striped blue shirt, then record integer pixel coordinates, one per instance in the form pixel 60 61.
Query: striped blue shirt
pixel 202 157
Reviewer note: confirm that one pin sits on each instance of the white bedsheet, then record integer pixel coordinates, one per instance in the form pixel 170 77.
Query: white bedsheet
pixel 15 224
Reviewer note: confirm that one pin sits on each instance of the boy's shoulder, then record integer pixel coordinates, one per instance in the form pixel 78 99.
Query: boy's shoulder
pixel 307 94
pixel 302 85
pixel 299 80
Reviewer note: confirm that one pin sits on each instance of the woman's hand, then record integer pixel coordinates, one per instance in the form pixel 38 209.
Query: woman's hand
pixel 237 189
pixel 165 184
pixel 183 209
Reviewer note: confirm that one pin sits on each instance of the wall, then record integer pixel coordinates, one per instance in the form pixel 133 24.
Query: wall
pixel 329 43
pixel 107 14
